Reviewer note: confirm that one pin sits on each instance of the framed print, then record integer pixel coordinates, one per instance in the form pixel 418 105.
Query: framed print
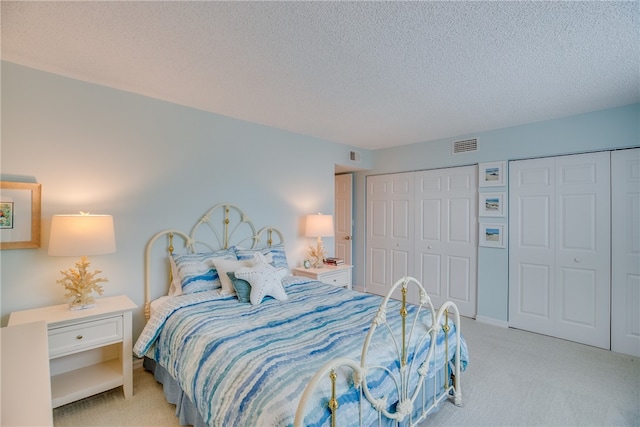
pixel 19 215
pixel 491 174
pixel 492 204
pixel 492 235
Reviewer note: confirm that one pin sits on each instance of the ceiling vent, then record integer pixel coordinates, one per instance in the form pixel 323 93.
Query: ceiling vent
pixel 354 156
pixel 465 146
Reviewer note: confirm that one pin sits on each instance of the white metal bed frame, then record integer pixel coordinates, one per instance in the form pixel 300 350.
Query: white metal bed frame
pixel 227 225
pixel 221 227
pixel 409 399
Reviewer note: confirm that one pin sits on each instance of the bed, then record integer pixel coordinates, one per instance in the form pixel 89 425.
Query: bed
pixel 265 348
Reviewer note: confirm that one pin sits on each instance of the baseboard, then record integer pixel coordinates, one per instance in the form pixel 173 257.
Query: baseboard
pixel 492 321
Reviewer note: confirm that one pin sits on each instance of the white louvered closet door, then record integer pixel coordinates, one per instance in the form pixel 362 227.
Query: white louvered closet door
pixel 559 259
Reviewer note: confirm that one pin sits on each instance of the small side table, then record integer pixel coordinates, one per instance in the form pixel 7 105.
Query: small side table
pixel 331 275
pixel 89 350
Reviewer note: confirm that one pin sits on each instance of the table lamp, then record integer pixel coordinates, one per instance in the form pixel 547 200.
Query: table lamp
pixel 318 226
pixel 81 235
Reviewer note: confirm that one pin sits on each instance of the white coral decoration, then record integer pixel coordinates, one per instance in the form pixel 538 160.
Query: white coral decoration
pixel 79 283
pixel 317 254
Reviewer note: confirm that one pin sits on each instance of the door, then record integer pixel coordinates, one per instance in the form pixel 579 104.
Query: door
pixel 625 246
pixel 344 217
pixel 559 271
pixel 390 212
pixel 446 235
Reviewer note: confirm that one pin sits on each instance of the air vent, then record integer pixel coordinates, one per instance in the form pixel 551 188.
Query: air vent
pixel 465 146
pixel 354 156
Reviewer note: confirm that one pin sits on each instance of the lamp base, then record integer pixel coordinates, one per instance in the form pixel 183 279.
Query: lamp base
pixel 81 306
pixel 317 254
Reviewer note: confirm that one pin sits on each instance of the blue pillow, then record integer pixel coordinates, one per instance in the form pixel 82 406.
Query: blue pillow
pixel 276 255
pixel 242 287
pixel 197 273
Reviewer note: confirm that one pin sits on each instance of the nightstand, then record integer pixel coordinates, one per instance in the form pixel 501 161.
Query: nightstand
pixel 89 350
pixel 338 276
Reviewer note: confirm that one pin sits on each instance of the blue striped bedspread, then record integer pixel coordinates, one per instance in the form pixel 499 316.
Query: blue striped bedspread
pixel 245 365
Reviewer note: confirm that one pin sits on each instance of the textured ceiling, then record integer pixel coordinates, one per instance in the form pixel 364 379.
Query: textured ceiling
pixel 368 74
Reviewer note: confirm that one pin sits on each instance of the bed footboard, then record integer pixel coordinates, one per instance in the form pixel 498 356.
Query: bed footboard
pixel 425 345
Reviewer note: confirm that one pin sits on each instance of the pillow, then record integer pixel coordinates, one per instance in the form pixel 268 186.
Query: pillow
pixel 176 288
pixel 279 256
pixel 275 255
pixel 225 266
pixel 197 273
pixel 242 288
pixel 264 279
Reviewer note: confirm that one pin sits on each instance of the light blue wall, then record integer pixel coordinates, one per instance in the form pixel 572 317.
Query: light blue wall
pixel 152 165
pixel 155 165
pixel 603 130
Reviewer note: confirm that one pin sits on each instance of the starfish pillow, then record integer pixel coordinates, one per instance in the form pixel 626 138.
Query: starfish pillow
pixel 264 279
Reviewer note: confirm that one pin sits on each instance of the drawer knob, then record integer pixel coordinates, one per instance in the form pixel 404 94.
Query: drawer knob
pixel 79 337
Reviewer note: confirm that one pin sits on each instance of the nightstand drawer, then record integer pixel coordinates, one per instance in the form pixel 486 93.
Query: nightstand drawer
pixel 80 336
pixel 338 278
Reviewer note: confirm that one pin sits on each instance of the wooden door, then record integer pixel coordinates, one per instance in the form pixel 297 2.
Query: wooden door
pixel 344 217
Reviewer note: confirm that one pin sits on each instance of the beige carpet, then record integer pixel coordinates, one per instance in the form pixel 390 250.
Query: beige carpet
pixel 147 407
pixel 515 378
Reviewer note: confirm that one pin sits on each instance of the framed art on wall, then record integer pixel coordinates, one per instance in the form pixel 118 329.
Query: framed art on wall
pixel 492 204
pixel 491 174
pixel 19 215
pixel 492 235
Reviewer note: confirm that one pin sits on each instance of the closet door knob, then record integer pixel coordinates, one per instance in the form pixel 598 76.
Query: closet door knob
pixel 576 259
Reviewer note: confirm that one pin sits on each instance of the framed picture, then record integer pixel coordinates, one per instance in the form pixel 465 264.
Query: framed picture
pixel 492 204
pixel 491 174
pixel 19 215
pixel 492 235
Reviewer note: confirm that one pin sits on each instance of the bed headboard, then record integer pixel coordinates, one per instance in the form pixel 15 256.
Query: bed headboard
pixel 221 227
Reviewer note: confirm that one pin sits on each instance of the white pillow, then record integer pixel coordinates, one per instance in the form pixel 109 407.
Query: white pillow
pixel 264 279
pixel 225 266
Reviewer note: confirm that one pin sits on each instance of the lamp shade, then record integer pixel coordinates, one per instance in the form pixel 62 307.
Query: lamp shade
pixel 319 226
pixel 79 235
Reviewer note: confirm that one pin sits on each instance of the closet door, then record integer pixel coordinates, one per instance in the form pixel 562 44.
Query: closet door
pixel 625 246
pixel 446 235
pixel 390 212
pixel 559 268
pixel 532 245
pixel 583 248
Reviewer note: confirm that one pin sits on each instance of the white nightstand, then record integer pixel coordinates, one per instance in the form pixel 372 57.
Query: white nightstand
pixel 89 350
pixel 337 276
